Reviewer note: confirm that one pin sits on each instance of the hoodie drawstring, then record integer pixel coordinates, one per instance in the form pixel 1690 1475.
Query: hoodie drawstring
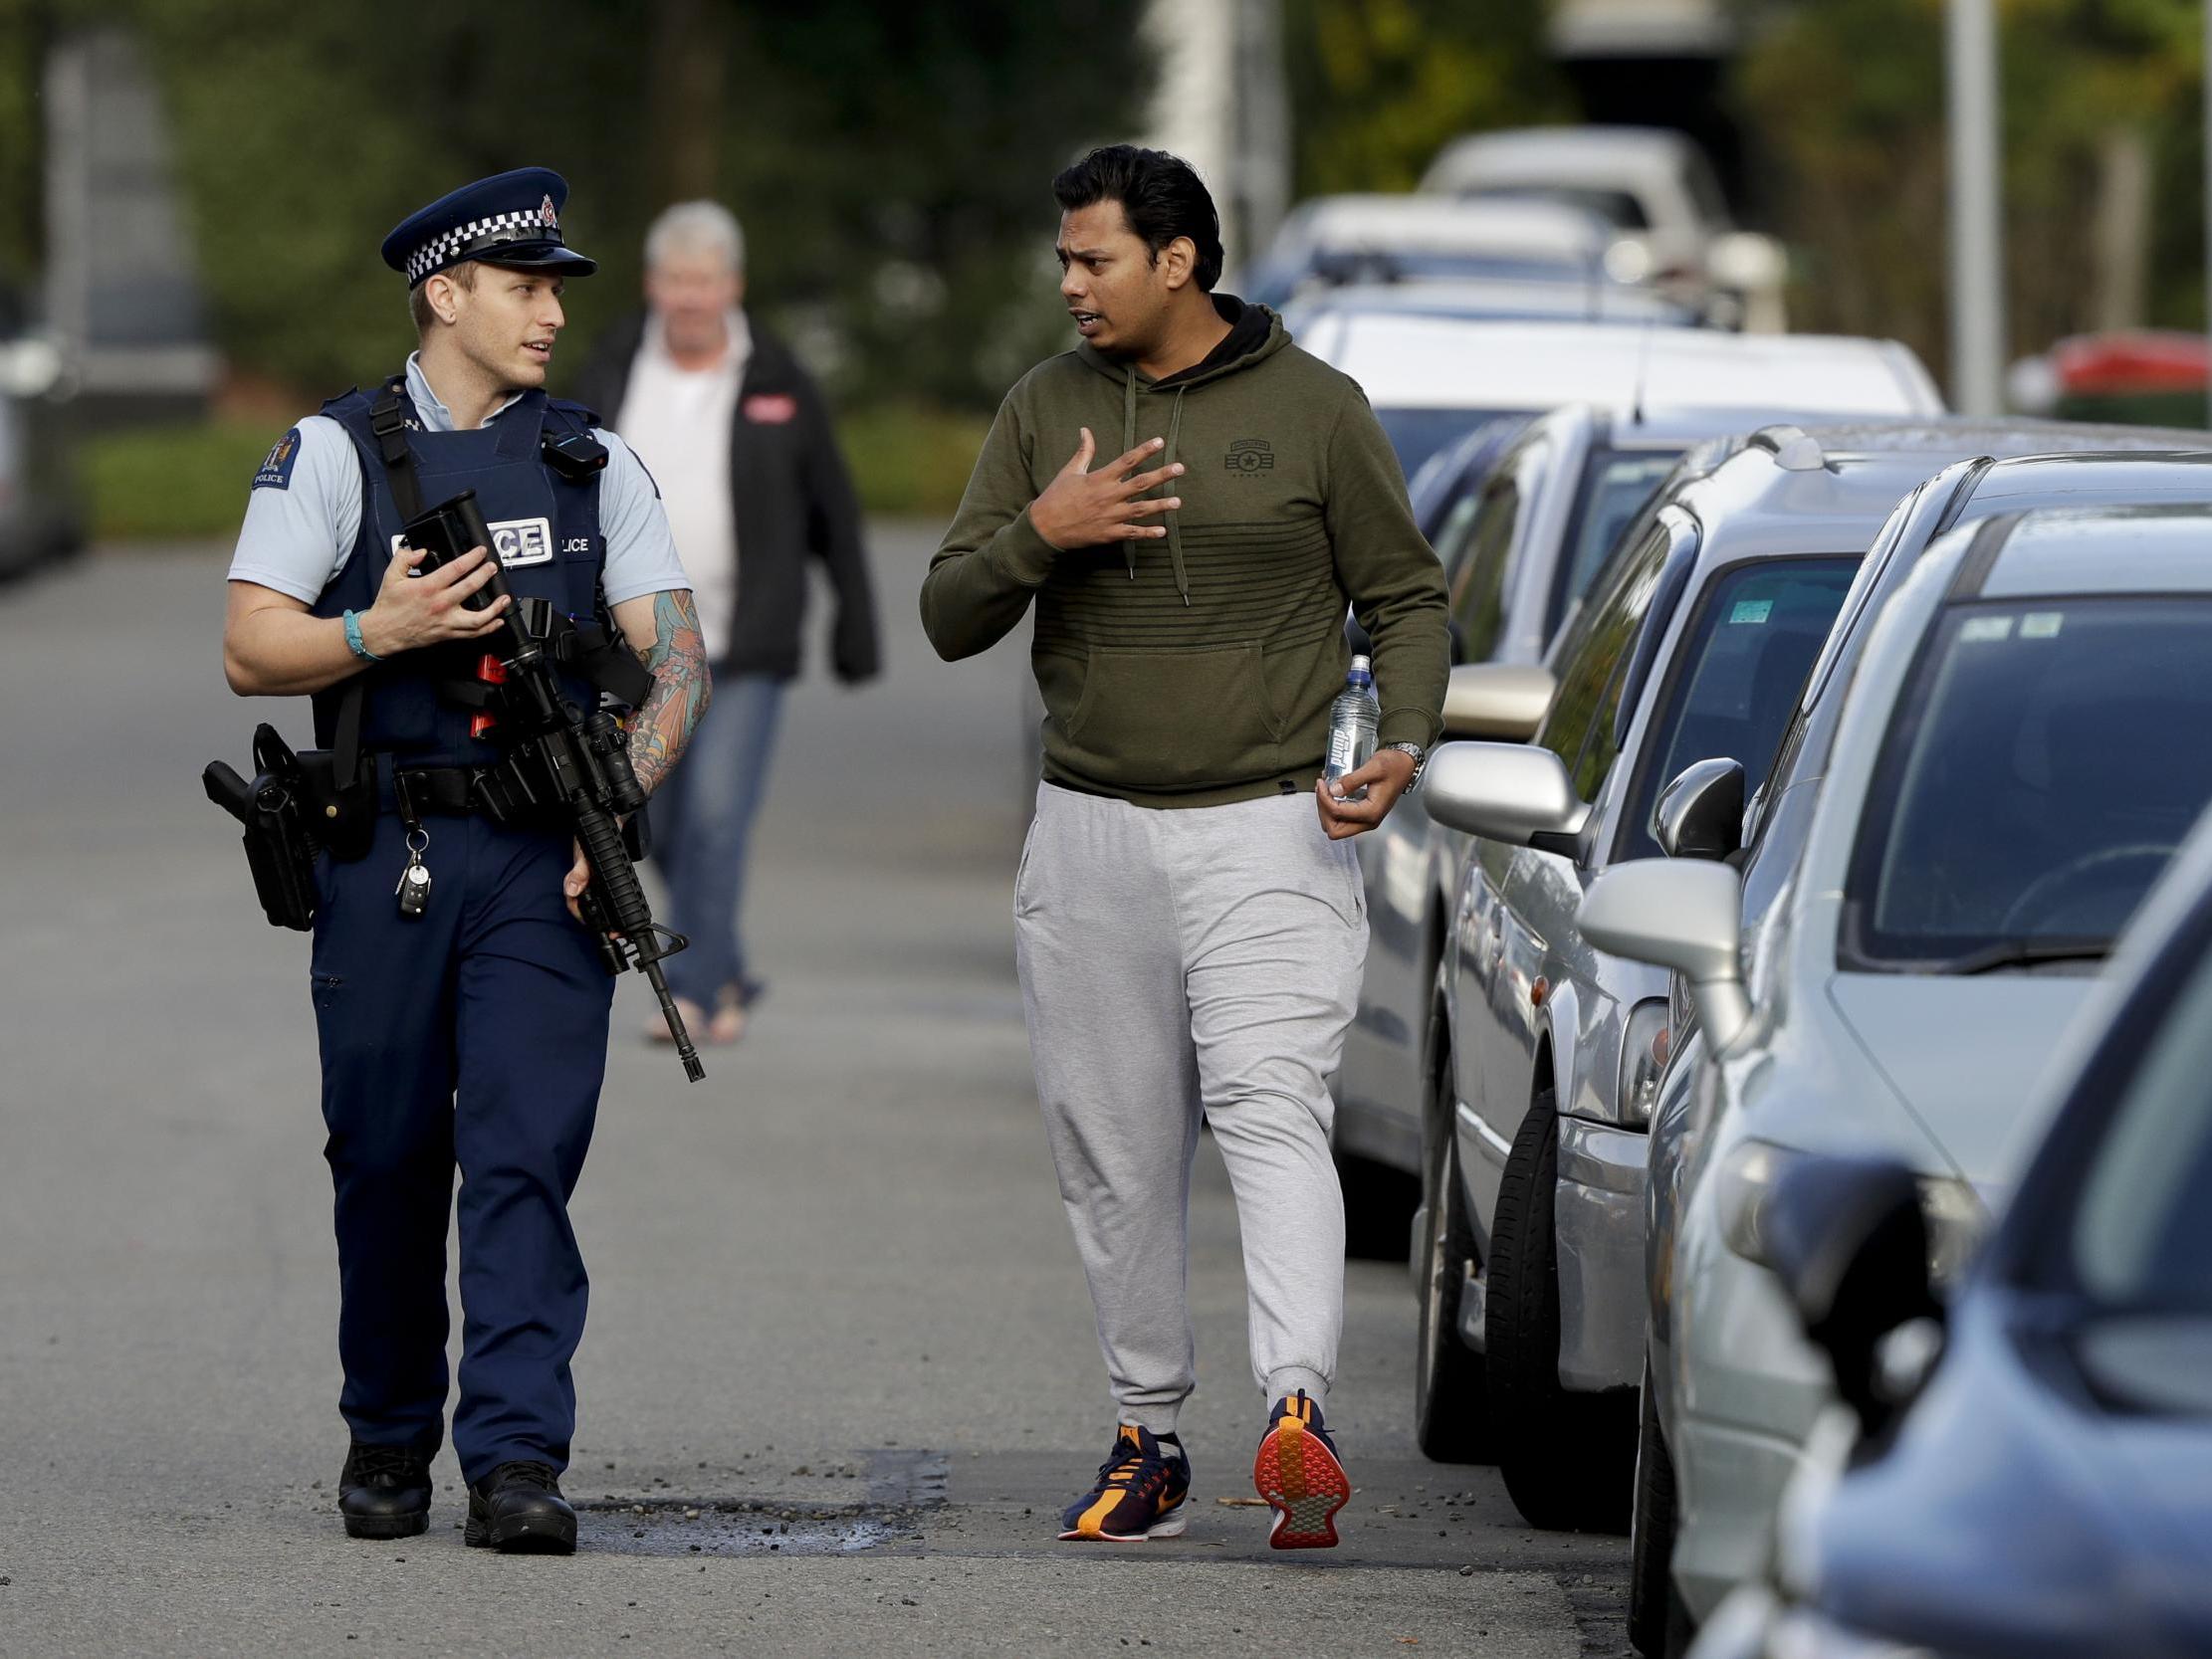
pixel 1174 530
pixel 1128 443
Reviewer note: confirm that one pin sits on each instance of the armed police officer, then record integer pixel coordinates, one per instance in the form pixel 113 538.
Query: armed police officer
pixel 462 1007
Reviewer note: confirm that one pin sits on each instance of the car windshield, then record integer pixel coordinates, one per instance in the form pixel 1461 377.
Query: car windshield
pixel 2045 761
pixel 1615 485
pixel 1416 434
pixel 1618 208
pixel 1735 677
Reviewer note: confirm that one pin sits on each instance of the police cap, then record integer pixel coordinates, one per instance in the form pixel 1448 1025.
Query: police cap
pixel 508 219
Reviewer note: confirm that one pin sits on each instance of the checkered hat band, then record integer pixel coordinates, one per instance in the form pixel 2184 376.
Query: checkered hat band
pixel 468 241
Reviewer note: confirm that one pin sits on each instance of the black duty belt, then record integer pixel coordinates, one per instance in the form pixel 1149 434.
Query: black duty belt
pixel 417 792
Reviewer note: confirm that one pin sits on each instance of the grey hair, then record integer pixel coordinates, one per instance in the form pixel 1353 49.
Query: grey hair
pixel 696 227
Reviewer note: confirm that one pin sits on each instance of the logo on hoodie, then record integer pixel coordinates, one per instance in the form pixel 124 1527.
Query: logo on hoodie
pixel 1249 456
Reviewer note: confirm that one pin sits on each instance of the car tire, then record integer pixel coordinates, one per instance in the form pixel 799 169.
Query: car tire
pixel 1567 1458
pixel 1450 1396
pixel 1378 1203
pixel 1658 1622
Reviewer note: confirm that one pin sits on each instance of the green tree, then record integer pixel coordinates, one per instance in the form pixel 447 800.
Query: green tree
pixel 1848 103
pixel 890 164
pixel 1379 86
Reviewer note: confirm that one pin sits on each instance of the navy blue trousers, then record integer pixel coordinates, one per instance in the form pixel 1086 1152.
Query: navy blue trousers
pixel 471 1038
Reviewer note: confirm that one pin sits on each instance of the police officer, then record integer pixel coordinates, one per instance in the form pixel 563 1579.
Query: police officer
pixel 466 1027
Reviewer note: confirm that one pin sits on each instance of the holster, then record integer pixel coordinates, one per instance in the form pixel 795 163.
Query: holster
pixel 280 846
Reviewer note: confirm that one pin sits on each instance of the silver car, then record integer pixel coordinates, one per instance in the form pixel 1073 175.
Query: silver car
pixel 1519 543
pixel 1531 1260
pixel 2027 740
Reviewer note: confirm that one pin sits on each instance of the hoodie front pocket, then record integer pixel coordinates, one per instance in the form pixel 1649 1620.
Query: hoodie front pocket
pixel 1161 718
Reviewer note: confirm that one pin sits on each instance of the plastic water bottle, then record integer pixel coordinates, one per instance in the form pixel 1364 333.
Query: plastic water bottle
pixel 1353 718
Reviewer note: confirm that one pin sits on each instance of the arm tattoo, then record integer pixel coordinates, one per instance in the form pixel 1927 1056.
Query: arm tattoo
pixel 661 728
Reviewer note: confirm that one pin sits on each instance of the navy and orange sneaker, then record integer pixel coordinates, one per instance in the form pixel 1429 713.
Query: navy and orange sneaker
pixel 1297 1472
pixel 1139 1492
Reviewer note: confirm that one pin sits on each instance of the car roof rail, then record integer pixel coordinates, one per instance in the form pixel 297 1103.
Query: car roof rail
pixel 1794 449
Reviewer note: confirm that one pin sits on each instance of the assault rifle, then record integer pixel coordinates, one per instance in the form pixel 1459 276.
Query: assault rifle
pixel 560 763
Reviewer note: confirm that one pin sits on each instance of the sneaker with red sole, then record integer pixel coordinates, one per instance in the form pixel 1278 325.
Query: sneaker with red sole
pixel 1297 1472
pixel 1139 1493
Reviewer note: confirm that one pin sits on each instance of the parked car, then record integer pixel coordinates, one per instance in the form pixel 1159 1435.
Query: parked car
pixel 2109 464
pixel 40 515
pixel 1519 543
pixel 1652 185
pixel 1494 299
pixel 2022 464
pixel 1531 1238
pixel 2031 1472
pixel 1432 378
pixel 2027 740
pixel 1331 241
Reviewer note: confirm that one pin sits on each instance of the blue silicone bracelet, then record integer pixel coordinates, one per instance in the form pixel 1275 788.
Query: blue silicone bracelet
pixel 353 639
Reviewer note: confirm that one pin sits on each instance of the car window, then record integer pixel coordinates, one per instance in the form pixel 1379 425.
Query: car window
pixel 2046 758
pixel 1454 536
pixel 1478 598
pixel 1734 678
pixel 1870 577
pixel 2142 1228
pixel 1416 434
pixel 1618 208
pixel 1578 728
pixel 1615 486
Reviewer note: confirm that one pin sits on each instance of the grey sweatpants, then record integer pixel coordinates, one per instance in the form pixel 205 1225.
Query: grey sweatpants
pixel 1178 962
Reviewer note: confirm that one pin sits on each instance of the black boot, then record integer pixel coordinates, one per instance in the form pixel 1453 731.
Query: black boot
pixel 518 1508
pixel 384 1491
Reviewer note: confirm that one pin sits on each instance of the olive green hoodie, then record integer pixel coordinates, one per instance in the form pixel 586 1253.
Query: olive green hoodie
pixel 1198 670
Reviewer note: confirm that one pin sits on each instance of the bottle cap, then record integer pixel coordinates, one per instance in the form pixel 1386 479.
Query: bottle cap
pixel 1360 666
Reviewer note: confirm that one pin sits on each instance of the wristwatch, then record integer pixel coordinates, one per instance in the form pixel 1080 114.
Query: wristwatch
pixel 1420 760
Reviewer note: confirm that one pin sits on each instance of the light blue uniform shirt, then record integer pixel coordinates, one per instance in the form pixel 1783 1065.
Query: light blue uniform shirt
pixel 304 513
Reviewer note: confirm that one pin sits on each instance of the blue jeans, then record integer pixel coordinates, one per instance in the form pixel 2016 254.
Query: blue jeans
pixel 702 822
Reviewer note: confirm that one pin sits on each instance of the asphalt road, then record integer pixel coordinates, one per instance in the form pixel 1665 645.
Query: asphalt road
pixel 835 1309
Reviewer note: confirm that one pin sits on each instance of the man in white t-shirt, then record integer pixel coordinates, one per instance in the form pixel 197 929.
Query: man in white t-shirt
pixel 738 438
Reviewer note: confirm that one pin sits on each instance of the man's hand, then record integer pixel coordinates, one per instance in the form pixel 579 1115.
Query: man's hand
pixel 1083 508
pixel 578 878
pixel 413 611
pixel 1383 778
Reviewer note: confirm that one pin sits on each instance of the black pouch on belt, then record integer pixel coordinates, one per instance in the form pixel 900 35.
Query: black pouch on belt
pixel 280 848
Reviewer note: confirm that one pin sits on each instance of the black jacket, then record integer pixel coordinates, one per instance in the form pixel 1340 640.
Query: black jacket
pixel 792 497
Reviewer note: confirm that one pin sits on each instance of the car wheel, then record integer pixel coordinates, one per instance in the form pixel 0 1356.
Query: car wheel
pixel 1378 1203
pixel 1450 1402
pixel 1567 1458
pixel 1658 1622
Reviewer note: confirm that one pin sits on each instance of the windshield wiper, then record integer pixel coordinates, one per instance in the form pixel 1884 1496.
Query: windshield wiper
pixel 2028 953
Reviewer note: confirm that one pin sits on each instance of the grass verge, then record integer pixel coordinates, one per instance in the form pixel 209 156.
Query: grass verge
pixel 189 481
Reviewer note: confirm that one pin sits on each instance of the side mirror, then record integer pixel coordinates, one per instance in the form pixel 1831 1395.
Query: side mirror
pixel 1685 917
pixel 1496 701
pixel 1504 793
pixel 1848 1239
pixel 1701 814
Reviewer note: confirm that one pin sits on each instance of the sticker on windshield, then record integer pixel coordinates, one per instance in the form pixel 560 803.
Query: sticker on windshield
pixel 2042 624
pixel 1753 611
pixel 1985 627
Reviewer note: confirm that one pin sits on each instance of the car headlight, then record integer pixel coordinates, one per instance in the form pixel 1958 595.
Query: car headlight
pixel 1644 1044
pixel 1747 1176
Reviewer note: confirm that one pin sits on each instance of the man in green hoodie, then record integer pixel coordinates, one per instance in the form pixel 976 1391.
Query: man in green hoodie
pixel 1190 925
